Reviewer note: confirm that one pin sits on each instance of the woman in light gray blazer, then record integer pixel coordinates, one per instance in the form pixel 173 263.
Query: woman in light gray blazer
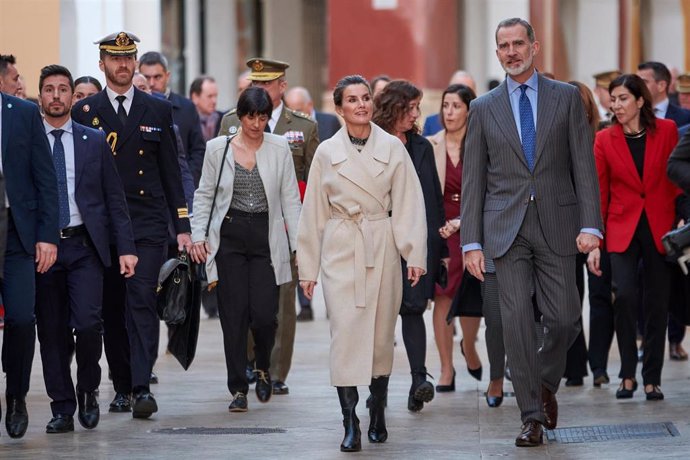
pixel 246 211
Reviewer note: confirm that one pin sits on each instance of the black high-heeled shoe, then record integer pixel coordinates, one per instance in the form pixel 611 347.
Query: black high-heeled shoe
pixel 494 401
pixel 447 388
pixel 476 373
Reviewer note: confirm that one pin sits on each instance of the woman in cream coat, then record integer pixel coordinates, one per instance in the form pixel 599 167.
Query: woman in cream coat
pixel 245 247
pixel 363 210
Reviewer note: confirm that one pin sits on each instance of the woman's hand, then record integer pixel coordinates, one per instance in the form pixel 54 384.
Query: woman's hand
pixel 308 288
pixel 451 227
pixel 594 262
pixel 414 274
pixel 199 251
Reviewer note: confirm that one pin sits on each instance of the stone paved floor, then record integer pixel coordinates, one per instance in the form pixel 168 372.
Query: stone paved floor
pixel 453 426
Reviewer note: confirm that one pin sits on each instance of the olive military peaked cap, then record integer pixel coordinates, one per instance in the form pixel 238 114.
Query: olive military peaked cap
pixel 118 44
pixel 683 83
pixel 604 79
pixel 266 69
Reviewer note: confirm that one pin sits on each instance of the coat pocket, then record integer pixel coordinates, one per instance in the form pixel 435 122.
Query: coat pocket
pixel 495 205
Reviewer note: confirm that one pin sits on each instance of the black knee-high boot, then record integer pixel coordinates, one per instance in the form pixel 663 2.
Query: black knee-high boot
pixel 352 442
pixel 377 419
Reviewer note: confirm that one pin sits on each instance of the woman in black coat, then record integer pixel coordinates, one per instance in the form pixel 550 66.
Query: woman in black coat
pixel 397 111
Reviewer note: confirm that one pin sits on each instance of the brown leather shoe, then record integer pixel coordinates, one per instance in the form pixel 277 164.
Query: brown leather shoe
pixel 532 435
pixel 550 408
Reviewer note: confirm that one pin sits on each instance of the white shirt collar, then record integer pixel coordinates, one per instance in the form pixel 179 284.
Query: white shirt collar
pixel 129 94
pixel 661 108
pixel 67 127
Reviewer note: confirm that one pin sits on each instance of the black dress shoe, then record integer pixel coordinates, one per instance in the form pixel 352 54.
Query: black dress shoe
pixel 550 408
pixel 655 394
pixel 279 388
pixel 305 314
pixel 249 374
pixel 121 403
pixel 447 388
pixel 89 411
pixel 60 423
pixel 600 378
pixel 575 382
pixel 144 405
pixel 532 435
pixel 17 419
pixel 264 388
pixel 239 403
pixel 153 379
pixel 494 401
pixel 625 393
pixel 421 391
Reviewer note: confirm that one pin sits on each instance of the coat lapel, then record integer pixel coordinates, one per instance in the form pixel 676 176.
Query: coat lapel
pixel 622 151
pixel 81 140
pixel 418 156
pixel 503 114
pixel 104 109
pixel 7 119
pixel 284 122
pixel 136 111
pixel 547 102
pixel 362 168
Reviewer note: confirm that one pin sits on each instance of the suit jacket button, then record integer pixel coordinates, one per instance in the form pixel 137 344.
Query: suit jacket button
pixel 141 173
pixel 141 192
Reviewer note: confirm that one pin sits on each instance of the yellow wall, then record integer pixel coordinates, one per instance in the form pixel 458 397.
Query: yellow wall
pixel 30 30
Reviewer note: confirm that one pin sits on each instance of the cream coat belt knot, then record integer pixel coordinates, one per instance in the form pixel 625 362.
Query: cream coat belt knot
pixel 364 249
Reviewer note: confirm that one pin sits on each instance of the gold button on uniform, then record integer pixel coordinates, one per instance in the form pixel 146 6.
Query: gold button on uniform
pixel 141 173
pixel 141 152
pixel 114 154
pixel 141 192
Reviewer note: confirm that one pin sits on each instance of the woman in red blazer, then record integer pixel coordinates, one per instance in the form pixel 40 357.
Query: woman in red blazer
pixel 638 207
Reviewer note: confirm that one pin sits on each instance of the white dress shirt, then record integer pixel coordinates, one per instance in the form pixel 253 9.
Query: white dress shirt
pixel 275 116
pixel 127 103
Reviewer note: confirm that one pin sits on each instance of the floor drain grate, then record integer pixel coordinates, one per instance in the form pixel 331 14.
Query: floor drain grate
pixel 600 433
pixel 192 430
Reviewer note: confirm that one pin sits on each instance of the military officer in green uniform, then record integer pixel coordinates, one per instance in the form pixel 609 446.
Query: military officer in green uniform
pixel 302 135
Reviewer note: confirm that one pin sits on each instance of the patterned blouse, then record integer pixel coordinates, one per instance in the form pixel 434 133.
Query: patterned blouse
pixel 248 193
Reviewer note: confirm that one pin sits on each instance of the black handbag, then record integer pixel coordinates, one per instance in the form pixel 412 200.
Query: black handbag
pixel 677 245
pixel 174 289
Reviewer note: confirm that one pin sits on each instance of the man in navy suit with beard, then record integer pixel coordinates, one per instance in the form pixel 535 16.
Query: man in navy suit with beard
pixel 69 296
pixel 139 129
pixel 32 235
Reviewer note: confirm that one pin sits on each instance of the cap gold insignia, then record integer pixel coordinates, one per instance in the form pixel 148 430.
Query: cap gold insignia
pixel 233 130
pixel 86 108
pixel 257 66
pixel 96 122
pixel 122 39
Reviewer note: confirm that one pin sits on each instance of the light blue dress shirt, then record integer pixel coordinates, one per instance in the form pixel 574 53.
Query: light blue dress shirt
pixel 68 143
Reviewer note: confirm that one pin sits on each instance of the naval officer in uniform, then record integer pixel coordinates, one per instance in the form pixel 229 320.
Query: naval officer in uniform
pixel 302 136
pixel 139 129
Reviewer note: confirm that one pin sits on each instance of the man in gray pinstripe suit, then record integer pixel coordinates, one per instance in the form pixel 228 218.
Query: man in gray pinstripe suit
pixel 530 200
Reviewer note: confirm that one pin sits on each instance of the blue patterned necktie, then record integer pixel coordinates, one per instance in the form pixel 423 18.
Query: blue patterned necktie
pixel 61 172
pixel 529 134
